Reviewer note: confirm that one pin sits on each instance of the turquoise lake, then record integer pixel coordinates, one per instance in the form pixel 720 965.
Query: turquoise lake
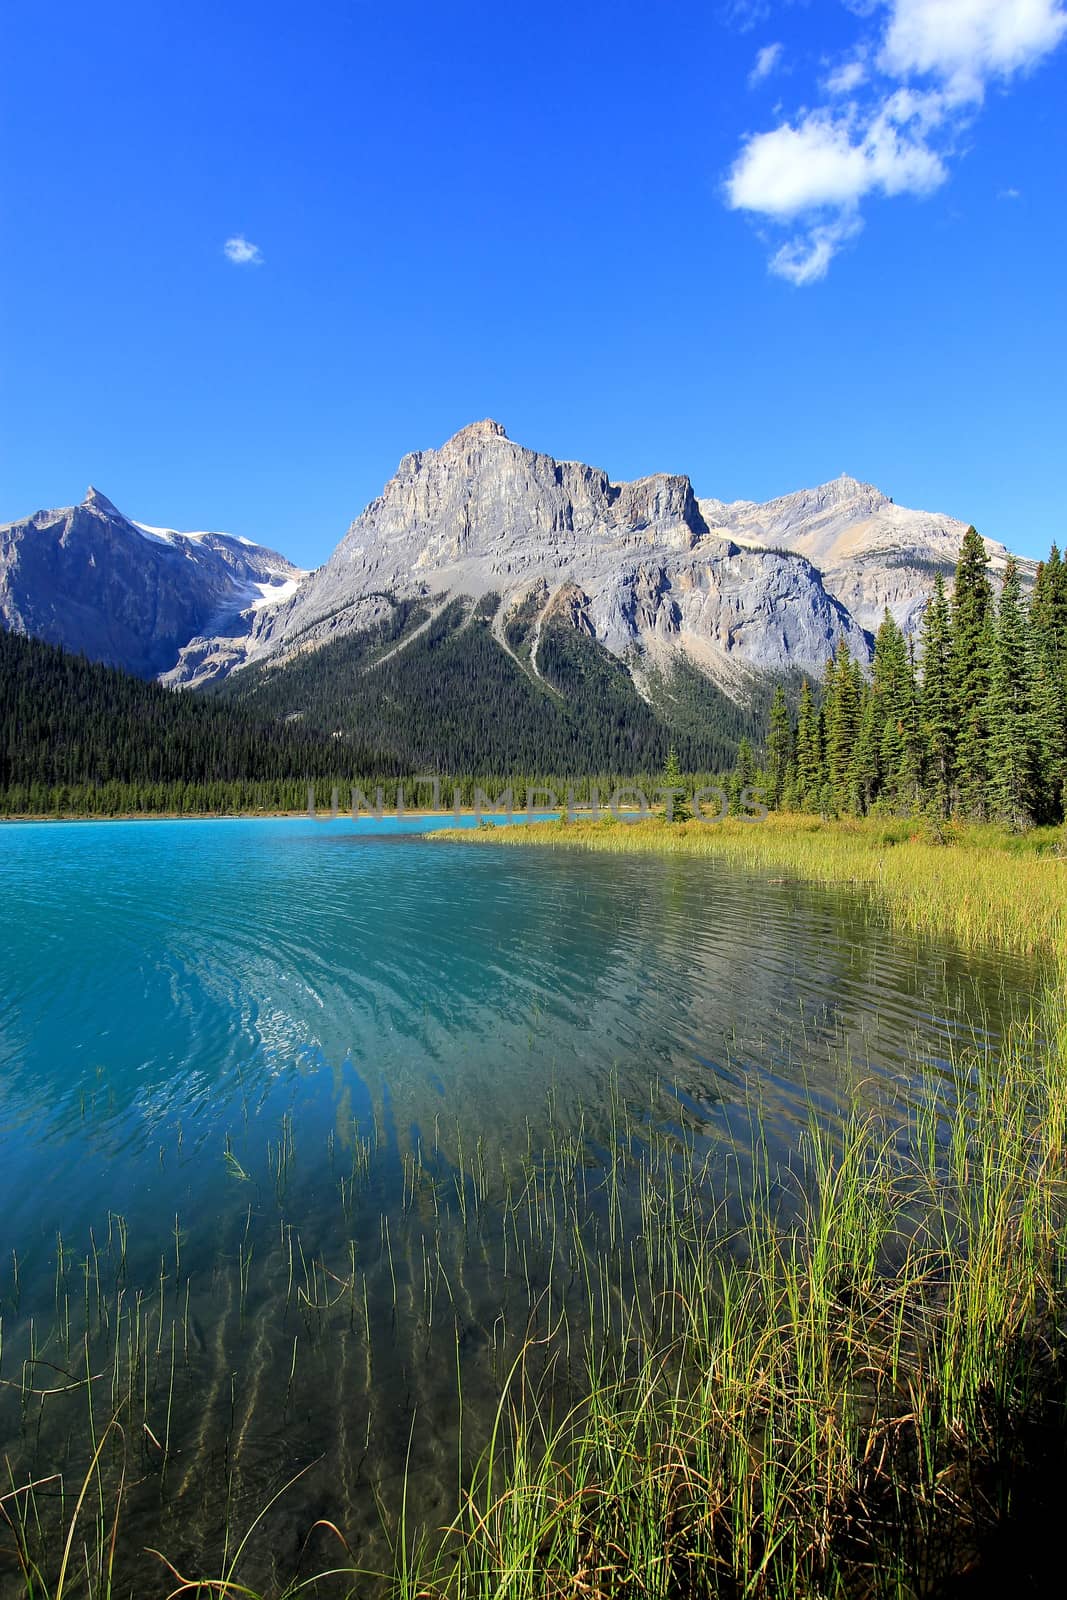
pixel 269 1090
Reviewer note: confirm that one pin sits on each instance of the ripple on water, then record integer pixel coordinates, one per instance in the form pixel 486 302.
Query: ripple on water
pixel 309 1043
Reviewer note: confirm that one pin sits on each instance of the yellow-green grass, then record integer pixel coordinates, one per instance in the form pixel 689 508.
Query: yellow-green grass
pixel 835 1399
pixel 979 884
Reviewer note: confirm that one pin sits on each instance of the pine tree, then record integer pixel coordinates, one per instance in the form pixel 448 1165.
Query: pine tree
pixel 866 768
pixel 971 659
pixel 1048 616
pixel 809 752
pixel 936 700
pixel 743 777
pixel 1014 757
pixel 779 750
pixel 841 711
pixel 672 778
pixel 897 719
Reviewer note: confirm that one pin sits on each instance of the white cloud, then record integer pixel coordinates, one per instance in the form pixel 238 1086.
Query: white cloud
pixel 766 61
pixel 810 174
pixel 831 161
pixel 242 252
pixel 848 76
pixel 966 42
pixel 1010 194
pixel 807 257
pixel 744 15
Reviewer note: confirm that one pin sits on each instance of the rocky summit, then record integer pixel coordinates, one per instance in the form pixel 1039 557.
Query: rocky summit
pixel 648 570
pixel 644 567
pixel 87 578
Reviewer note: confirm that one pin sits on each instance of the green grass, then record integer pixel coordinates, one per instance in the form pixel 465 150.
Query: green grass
pixel 840 1377
pixel 983 886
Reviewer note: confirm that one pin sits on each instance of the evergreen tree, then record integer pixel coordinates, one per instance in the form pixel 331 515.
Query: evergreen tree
pixel 1014 756
pixel 896 718
pixel 809 752
pixel 779 750
pixel 1048 615
pixel 841 713
pixel 971 660
pixel 866 757
pixel 936 700
pixel 743 777
pixel 677 809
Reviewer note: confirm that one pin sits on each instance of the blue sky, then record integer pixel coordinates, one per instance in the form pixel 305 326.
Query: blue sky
pixel 758 243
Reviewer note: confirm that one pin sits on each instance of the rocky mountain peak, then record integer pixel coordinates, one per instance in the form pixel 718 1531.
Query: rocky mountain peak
pixel 476 433
pixel 95 501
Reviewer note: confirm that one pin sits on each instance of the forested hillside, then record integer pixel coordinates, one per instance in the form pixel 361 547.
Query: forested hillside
pixel 971 722
pixel 67 723
pixel 974 727
pixel 454 700
pixel 77 736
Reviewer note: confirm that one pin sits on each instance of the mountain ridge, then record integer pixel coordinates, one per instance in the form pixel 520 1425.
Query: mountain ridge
pixel 655 574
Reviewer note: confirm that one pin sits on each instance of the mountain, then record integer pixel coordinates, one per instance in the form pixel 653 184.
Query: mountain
pixel 540 591
pixel 132 596
pixel 632 565
pixel 870 552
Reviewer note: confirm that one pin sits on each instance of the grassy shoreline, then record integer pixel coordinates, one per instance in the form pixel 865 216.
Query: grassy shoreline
pixel 856 1389
pixel 984 886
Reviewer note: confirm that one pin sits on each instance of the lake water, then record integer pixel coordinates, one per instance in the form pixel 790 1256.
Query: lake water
pixel 283 1102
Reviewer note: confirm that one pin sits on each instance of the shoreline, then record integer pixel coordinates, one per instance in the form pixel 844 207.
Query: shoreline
pixel 242 816
pixel 980 884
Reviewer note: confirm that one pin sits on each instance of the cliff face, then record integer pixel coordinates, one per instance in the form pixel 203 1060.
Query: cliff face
pixel 645 568
pixel 87 578
pixel 871 553
pixel 484 515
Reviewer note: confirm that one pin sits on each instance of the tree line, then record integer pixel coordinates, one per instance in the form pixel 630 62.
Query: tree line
pixel 971 724
pixel 969 721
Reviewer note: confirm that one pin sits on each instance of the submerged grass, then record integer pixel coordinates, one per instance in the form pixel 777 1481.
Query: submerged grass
pixel 983 886
pixel 841 1376
pixel 859 1395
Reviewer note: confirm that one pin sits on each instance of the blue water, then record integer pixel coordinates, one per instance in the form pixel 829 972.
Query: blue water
pixel 251 1031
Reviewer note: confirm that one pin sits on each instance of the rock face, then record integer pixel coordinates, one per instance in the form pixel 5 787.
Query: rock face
pixel 645 568
pixel 87 578
pixel 483 515
pixel 870 552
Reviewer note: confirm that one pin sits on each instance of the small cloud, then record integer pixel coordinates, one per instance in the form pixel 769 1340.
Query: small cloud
pixel 744 15
pixel 830 161
pixel 767 60
pixel 1010 194
pixel 846 78
pixel 807 258
pixel 242 252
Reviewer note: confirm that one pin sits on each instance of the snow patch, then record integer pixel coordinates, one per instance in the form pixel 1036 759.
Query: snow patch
pixel 272 594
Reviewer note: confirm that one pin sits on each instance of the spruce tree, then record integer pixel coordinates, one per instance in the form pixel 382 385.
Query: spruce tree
pixel 971 660
pixel 743 777
pixel 809 752
pixel 671 778
pixel 1014 756
pixel 897 718
pixel 866 770
pixel 841 712
pixel 779 749
pixel 938 721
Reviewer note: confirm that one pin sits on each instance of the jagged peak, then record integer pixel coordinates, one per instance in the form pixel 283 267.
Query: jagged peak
pixel 476 433
pixel 95 501
pixel 846 487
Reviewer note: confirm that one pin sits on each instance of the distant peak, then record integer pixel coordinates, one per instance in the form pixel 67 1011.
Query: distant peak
pixel 95 501
pixel 477 432
pixel 846 487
